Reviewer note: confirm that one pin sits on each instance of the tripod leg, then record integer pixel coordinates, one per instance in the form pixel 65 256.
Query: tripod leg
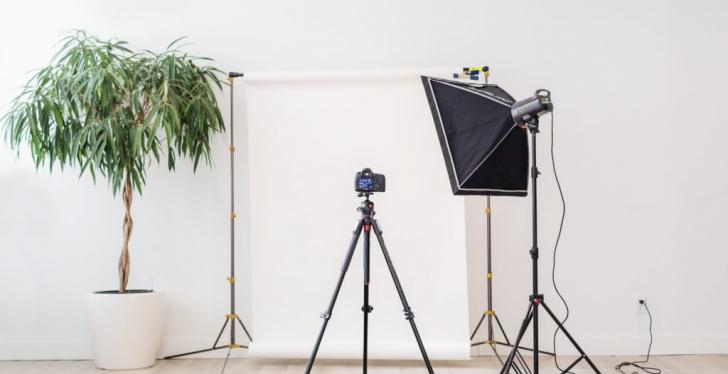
pixel 244 329
pixel 568 336
pixel 407 310
pixel 327 314
pixel 366 308
pixel 524 326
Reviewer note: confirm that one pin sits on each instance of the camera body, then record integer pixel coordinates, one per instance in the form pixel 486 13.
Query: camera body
pixel 367 181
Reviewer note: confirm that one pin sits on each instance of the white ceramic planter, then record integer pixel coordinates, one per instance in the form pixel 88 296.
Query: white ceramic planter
pixel 125 328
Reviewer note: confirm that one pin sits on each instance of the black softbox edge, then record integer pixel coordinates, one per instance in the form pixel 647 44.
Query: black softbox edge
pixel 440 135
pixel 456 189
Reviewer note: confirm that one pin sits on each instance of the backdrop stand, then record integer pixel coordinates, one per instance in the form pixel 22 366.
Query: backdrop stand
pixel 520 366
pixel 536 300
pixel 231 318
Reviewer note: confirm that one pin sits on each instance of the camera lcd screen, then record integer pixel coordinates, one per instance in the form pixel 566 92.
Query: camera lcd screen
pixel 365 183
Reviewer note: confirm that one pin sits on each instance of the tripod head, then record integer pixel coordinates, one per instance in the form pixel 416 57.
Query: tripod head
pixel 366 208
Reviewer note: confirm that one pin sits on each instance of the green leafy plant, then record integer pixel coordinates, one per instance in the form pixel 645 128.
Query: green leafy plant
pixel 108 110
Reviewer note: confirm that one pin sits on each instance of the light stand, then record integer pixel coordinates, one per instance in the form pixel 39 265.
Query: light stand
pixel 520 366
pixel 536 299
pixel 232 317
pixel 366 224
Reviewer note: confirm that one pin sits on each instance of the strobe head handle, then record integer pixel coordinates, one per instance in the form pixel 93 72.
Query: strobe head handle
pixel 233 74
pixel 535 106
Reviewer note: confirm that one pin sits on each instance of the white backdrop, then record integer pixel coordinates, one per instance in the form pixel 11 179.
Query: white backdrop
pixel 308 134
pixel 639 88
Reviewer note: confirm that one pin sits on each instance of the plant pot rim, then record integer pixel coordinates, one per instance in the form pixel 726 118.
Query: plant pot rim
pixel 128 292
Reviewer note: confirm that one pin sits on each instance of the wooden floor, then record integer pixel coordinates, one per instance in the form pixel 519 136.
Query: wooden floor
pixel 688 364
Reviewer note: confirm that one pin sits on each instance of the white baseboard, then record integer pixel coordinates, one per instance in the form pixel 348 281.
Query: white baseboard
pixel 594 346
pixel 45 350
pixel 623 346
pixel 352 350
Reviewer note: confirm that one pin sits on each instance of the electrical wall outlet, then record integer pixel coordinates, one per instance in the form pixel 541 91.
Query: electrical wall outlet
pixel 641 306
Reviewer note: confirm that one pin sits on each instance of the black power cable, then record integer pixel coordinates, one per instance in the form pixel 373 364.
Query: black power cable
pixel 556 244
pixel 638 364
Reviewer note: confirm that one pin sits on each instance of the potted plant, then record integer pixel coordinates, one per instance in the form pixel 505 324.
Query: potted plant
pixel 112 112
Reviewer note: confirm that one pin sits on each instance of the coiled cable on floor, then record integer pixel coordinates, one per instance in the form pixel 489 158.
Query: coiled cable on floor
pixel 639 364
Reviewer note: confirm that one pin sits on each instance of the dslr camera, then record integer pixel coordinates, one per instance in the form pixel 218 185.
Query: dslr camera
pixel 367 182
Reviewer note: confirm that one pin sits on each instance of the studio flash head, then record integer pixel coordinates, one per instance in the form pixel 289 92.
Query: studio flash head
pixel 368 182
pixel 535 106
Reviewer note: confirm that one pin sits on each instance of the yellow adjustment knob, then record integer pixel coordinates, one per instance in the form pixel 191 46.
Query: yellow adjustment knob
pixel 233 215
pixel 231 316
pixel 234 345
pixel 231 279
pixel 489 275
pixel 488 210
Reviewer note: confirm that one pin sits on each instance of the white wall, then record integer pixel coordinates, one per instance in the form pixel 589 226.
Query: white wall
pixel 639 89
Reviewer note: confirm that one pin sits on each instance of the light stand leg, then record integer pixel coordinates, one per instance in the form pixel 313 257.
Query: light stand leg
pixel 536 299
pixel 327 314
pixel 519 357
pixel 405 305
pixel 583 355
pixel 524 326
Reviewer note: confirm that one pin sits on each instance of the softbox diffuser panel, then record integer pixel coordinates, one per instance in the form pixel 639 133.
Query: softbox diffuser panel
pixel 485 152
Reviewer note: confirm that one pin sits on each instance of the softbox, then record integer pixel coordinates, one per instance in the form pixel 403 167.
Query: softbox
pixel 485 152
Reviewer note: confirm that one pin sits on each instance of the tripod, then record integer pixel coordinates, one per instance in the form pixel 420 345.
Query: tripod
pixel 536 300
pixel 231 318
pixel 366 224
pixel 489 316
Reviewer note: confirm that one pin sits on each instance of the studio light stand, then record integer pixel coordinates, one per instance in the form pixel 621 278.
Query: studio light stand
pixel 483 133
pixel 367 223
pixel 536 300
pixel 231 318
pixel 489 315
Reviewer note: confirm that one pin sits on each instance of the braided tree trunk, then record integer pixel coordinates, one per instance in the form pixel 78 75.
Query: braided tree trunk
pixel 127 227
